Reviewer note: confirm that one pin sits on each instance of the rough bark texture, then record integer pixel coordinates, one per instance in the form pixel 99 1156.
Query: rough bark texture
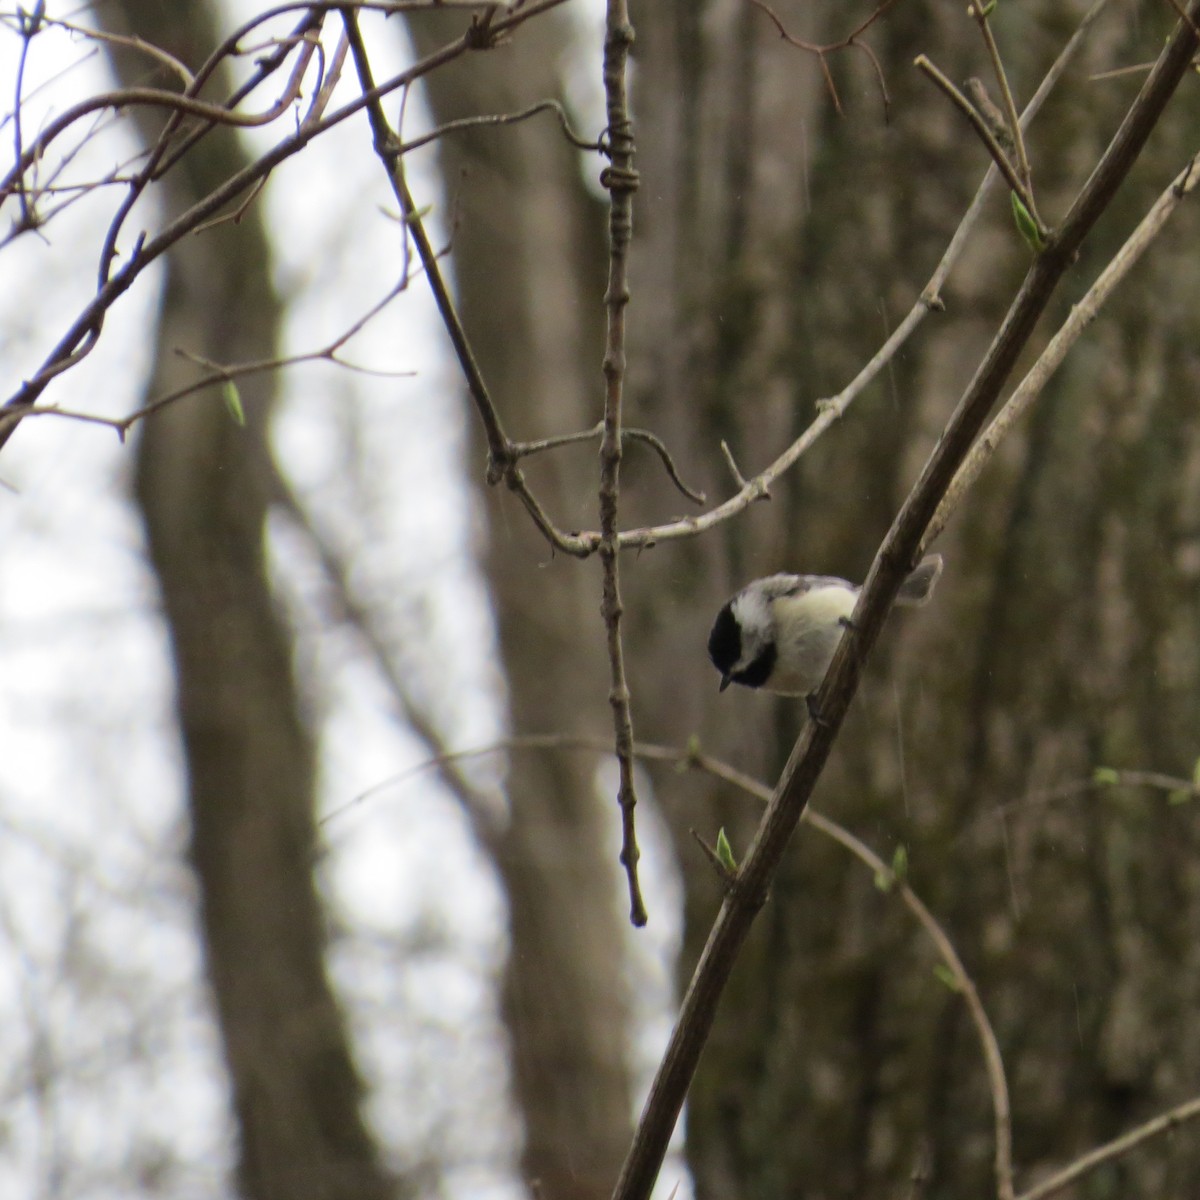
pixel 530 282
pixel 777 245
pixel 203 484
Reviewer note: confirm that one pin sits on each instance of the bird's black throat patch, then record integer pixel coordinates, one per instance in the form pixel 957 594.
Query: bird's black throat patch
pixel 759 671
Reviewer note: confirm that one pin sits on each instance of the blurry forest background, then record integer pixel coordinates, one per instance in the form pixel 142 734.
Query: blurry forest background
pixel 243 948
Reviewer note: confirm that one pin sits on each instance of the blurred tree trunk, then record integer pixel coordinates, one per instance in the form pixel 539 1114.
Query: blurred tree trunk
pixel 203 485
pixel 776 245
pixel 529 276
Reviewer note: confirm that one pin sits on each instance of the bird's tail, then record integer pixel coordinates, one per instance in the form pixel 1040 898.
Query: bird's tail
pixel 918 587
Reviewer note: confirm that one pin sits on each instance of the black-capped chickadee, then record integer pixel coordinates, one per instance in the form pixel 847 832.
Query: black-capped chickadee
pixel 780 632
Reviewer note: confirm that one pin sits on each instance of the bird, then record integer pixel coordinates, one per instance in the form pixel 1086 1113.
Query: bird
pixel 780 632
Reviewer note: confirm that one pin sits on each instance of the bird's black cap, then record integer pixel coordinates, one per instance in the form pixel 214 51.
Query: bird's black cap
pixel 725 643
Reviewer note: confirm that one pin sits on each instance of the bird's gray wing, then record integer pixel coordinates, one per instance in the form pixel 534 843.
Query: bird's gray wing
pixel 778 586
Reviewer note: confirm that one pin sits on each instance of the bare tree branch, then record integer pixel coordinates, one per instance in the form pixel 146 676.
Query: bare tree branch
pixel 892 564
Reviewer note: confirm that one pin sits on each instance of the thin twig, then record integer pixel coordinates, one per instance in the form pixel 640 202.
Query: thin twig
pixel 330 76
pixel 29 26
pixel 1117 1148
pixel 727 877
pixel 621 180
pixel 502 465
pixel 731 463
pixel 822 50
pixel 487 120
pixel 659 447
pixel 227 373
pixel 129 42
pixel 234 215
pixel 980 13
pixel 981 127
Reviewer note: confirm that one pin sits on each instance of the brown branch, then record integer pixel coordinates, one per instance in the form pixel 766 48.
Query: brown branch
pixel 129 42
pixel 894 560
pixel 659 447
pixel 621 180
pixel 142 97
pixel 494 119
pixel 28 27
pixel 329 76
pixel 727 877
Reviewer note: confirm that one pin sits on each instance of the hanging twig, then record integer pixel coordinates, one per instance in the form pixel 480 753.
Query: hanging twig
pixel 621 180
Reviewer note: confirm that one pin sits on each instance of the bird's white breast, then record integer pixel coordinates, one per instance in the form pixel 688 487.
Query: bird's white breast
pixel 808 628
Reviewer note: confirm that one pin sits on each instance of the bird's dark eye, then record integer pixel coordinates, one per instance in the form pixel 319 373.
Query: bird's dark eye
pixel 759 671
pixel 725 641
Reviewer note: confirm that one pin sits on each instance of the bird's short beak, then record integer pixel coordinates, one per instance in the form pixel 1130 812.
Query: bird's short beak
pixel 725 682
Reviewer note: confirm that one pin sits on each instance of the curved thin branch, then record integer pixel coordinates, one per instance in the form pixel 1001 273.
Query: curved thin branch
pixel 659 447
pixel 692 758
pixel 526 449
pixel 1117 1148
pixel 492 119
pixel 980 13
